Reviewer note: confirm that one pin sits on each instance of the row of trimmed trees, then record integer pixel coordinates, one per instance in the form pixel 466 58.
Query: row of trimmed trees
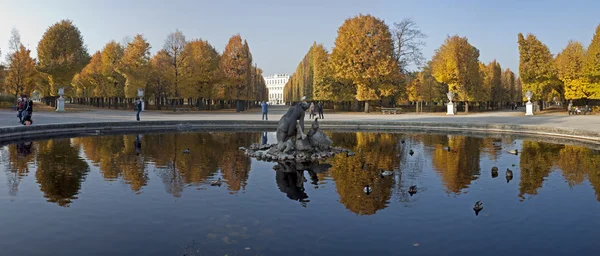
pixel 573 74
pixel 369 63
pixel 370 60
pixel 362 66
pixel 191 70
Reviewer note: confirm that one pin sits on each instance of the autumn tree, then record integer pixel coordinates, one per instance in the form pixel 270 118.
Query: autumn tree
pixel 456 64
pixel 536 67
pixel 569 65
pixel 323 85
pixel 200 69
pixel 134 65
pixel 424 87
pixel 90 82
pixel 234 65
pixel 364 57
pixel 111 57
pixel 21 73
pixel 518 90
pixel 249 73
pixel 62 54
pixel 492 82
pixel 591 66
pixel 509 86
pixel 174 47
pixel 158 79
pixel 408 43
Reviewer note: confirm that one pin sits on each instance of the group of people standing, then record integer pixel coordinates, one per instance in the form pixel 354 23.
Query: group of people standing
pixel 24 110
pixel 313 110
pixel 318 108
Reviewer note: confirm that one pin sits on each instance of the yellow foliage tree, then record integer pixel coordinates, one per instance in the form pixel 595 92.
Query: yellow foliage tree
pixel 536 68
pixel 591 66
pixel 21 73
pixel 456 63
pixel 90 82
pixel 62 54
pixel 569 64
pixel 134 65
pixel 235 66
pixel 112 54
pixel 158 79
pixel 200 69
pixel 364 57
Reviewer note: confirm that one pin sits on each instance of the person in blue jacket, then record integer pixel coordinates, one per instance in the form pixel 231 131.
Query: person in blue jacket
pixel 265 110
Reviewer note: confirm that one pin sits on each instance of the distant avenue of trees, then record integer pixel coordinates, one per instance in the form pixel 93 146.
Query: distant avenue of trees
pixel 191 70
pixel 369 63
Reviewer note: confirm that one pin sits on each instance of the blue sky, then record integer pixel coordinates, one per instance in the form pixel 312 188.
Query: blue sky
pixel 280 32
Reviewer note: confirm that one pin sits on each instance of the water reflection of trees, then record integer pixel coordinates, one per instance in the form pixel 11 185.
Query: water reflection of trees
pixel 374 152
pixel 209 153
pixel 536 163
pixel 19 156
pixel 116 158
pixel 459 165
pixel 576 163
pixel 60 170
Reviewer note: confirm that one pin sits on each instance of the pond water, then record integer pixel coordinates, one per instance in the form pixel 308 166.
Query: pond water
pixel 142 195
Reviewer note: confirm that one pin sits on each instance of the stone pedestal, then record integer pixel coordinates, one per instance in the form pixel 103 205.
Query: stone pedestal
pixel 529 109
pixel 60 104
pixel 143 106
pixel 451 110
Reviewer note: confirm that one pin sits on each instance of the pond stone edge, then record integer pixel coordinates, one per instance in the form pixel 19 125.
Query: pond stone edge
pixel 23 132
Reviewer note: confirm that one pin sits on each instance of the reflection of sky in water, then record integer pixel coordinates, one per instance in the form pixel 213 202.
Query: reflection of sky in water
pixel 99 192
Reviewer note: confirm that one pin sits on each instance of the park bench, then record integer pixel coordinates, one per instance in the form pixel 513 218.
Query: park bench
pixel 583 111
pixel 182 109
pixel 391 110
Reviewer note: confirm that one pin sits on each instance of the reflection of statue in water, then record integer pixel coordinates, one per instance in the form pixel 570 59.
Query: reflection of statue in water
pixel 292 141
pixel 290 178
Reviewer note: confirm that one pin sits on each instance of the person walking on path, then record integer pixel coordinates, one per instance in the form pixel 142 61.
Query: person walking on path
pixel 570 107
pixel 320 108
pixel 138 107
pixel 265 110
pixel 311 110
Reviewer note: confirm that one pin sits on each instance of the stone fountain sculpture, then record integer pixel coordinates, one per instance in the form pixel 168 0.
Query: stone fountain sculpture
pixel 293 144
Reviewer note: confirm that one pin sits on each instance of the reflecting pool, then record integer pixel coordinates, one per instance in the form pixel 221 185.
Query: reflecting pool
pixel 151 194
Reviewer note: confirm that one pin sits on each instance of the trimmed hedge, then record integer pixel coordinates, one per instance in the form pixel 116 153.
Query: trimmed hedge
pixel 8 98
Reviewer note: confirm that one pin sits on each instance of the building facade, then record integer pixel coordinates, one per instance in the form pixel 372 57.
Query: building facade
pixel 275 84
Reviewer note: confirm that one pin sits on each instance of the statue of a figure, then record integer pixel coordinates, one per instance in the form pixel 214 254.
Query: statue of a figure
pixel 290 122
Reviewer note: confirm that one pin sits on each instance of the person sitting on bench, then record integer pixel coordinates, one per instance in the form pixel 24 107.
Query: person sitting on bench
pixel 586 110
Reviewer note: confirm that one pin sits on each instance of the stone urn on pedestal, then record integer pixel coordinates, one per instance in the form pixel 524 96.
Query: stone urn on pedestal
pixel 140 94
pixel 528 105
pixel 450 106
pixel 60 102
